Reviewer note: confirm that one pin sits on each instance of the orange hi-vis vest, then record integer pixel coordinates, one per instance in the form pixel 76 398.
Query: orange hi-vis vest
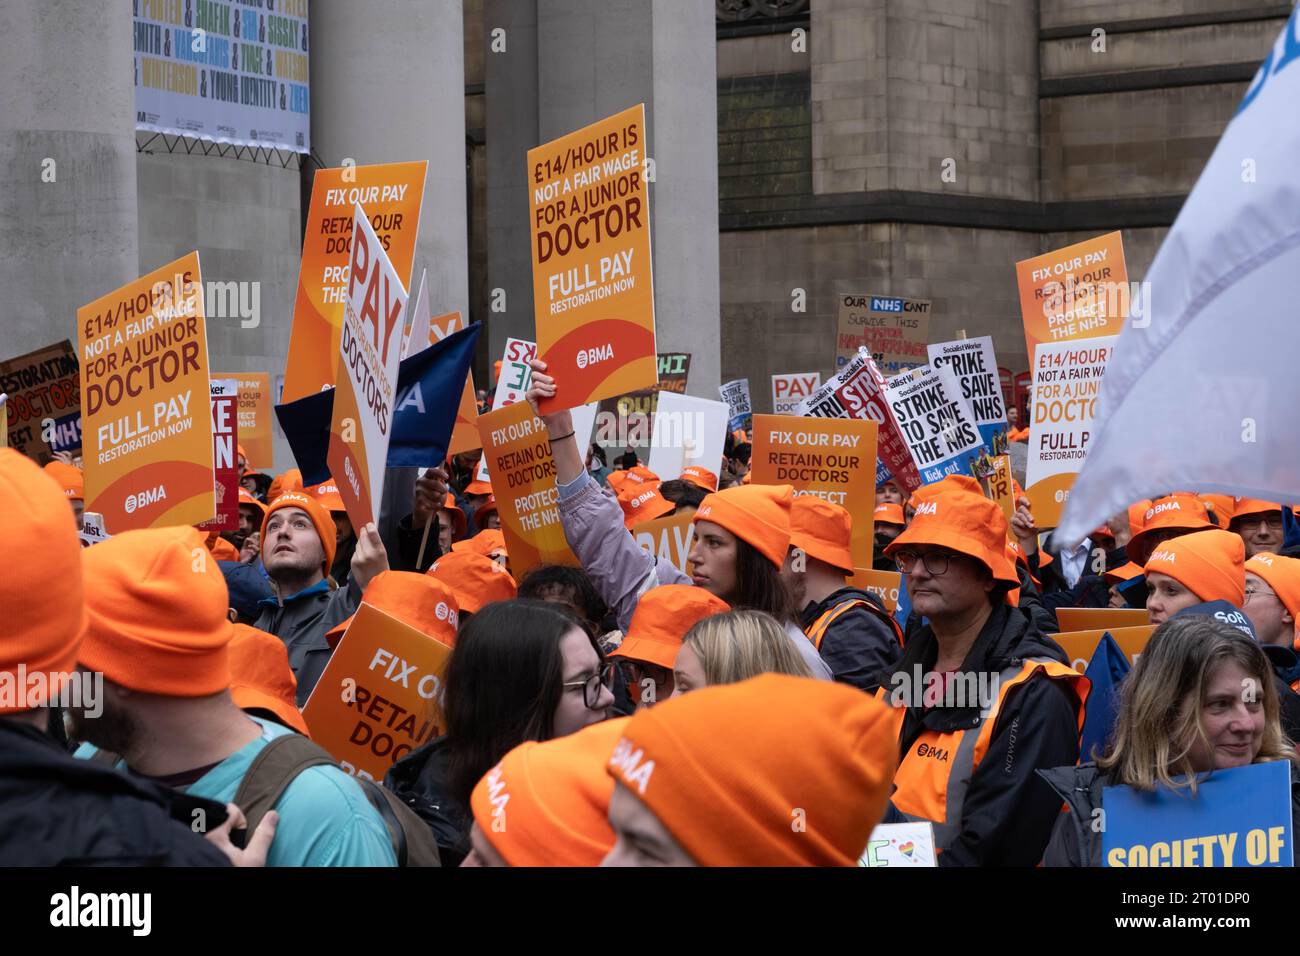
pixel 935 774
pixel 817 630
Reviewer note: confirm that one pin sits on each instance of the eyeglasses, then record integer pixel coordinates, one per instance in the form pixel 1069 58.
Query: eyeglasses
pixel 936 562
pixel 603 679
pixel 1250 523
pixel 635 671
pixel 1251 592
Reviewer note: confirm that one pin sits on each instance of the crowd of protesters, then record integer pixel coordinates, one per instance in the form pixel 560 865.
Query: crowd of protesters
pixel 762 710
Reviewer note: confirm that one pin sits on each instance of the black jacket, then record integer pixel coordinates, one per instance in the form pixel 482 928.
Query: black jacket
pixel 1076 837
pixel 302 622
pixel 420 779
pixel 1009 810
pixel 859 644
pixel 56 810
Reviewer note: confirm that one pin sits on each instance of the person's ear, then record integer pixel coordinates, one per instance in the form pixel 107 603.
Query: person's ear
pixel 1287 617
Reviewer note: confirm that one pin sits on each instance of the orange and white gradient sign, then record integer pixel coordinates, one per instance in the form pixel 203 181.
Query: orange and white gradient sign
pixel 146 419
pixel 593 291
pixel 370 350
pixel 464 434
pixel 392 195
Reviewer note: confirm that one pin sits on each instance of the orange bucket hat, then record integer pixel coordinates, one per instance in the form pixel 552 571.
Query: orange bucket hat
pixel 327 494
pixel 290 480
pixel 320 519
pixel 1125 572
pixel 962 521
pixel 457 516
pixel 640 474
pixel 1253 506
pixel 483 510
pixel 220 548
pixel 661 619
pixel 700 477
pixel 41 587
pixel 643 503
pixel 489 543
pixel 756 514
pixel 425 603
pixel 1184 512
pixel 722 768
pixel 157 605
pixel 477 487
pixel 1219 508
pixel 822 530
pixel 547 804
pixel 474 580
pixel 260 676
pixel 617 480
pixel 246 499
pixel 1210 564
pixel 889 514
pixel 1282 575
pixel 69 478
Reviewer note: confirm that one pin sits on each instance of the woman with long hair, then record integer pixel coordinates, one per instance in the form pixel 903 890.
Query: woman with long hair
pixel 1200 698
pixel 521 670
pixel 734 646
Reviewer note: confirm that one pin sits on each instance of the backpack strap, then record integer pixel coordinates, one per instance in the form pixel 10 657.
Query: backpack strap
pixel 270 774
pixel 104 758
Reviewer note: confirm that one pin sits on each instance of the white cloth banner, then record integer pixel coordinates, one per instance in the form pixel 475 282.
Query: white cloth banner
pixel 1203 387
pixel 223 71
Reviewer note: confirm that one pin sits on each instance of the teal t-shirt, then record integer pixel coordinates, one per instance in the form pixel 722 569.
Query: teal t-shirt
pixel 325 818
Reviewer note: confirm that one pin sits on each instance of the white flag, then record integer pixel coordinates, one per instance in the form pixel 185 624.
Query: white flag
pixel 1204 387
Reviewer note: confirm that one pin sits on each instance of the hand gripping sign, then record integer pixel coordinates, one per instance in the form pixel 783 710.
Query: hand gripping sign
pixel 592 287
pixel 370 350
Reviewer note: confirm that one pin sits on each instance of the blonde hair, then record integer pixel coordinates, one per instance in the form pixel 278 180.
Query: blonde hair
pixel 738 645
pixel 1161 700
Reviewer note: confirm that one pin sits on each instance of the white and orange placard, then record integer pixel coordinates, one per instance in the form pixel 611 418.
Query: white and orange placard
pixel 392 195
pixel 516 374
pixel 254 417
pixel 1073 302
pixel 593 291
pixel 522 472
pixel 145 419
pixel 832 458
pixel 883 584
pixel 370 350
pixel 789 391
pixel 380 696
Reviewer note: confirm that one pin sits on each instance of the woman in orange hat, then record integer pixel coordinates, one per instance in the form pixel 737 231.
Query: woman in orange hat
pixel 521 670
pixel 1182 713
pixel 1193 569
pixel 742 538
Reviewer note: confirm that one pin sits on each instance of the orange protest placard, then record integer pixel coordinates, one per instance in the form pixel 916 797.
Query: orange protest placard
pixel 523 479
pixel 668 539
pixel 1073 303
pixel 392 195
pixel 380 696
pixel 1000 487
pixel 1091 618
pixel 593 292
pixel 254 417
pixel 1079 646
pixel 146 422
pixel 883 584
pixel 833 458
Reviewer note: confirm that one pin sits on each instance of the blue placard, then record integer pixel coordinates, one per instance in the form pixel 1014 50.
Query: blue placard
pixel 1239 817
pixel 66 433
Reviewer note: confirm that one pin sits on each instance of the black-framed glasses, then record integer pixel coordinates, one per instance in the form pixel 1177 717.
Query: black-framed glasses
pixel 936 562
pixel 636 671
pixel 603 679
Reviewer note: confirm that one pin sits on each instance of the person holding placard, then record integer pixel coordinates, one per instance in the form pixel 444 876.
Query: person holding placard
pixel 968 751
pixel 742 538
pixel 1200 698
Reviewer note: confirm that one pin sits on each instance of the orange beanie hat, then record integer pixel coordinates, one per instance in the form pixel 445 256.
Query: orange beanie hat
pixel 423 602
pixel 69 478
pixel 662 618
pixel 1282 575
pixel 1210 564
pixel 756 514
pixel 965 522
pixel 700 477
pixel 724 767
pixel 290 480
pixel 473 579
pixel 43 559
pixel 320 519
pixel 157 604
pixel 547 804
pixel 260 676
pixel 822 531
pixel 643 503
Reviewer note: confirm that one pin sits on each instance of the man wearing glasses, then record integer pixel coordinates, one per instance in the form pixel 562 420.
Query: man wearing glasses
pixel 981 698
pixel 1259 523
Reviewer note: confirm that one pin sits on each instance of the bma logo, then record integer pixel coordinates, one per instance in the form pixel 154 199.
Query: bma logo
pixel 886 305
pixel 592 356
pixel 145 498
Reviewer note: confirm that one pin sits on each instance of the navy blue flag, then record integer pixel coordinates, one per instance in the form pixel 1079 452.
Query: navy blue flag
pixel 429 387
pixel 1106 671
pixel 1290 528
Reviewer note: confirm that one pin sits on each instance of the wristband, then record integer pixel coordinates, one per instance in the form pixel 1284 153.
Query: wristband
pixel 562 437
